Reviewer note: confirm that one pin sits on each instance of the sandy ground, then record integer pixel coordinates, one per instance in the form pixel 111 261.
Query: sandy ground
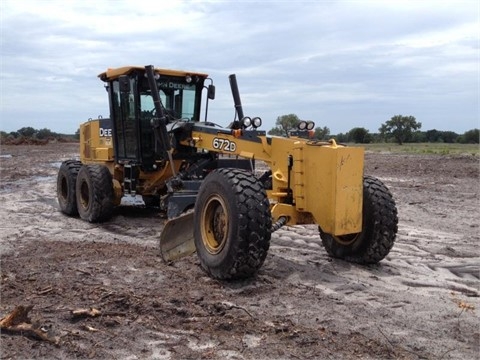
pixel 421 302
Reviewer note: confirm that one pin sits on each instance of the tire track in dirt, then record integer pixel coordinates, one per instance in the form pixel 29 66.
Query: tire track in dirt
pixel 425 267
pixel 427 254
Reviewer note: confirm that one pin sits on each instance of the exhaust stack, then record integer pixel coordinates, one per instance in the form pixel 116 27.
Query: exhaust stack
pixel 236 96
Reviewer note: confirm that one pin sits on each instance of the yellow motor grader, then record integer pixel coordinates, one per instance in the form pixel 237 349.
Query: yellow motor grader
pixel 208 179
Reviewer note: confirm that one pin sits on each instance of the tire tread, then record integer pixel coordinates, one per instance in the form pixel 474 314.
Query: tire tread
pixel 254 233
pixel 68 169
pixel 101 207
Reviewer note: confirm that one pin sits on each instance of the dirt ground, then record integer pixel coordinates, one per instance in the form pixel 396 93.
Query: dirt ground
pixel 421 302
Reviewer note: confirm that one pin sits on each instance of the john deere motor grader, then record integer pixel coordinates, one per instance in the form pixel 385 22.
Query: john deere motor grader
pixel 204 176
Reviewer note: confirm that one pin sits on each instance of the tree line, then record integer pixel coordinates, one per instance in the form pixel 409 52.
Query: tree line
pixel 33 136
pixel 400 129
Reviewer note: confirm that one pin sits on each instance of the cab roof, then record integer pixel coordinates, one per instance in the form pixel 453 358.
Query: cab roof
pixel 112 74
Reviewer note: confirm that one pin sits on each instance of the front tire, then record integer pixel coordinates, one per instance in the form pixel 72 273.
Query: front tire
pixel 94 190
pixel 66 180
pixel 379 228
pixel 232 224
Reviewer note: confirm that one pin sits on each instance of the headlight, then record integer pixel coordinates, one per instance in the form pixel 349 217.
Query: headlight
pixel 188 79
pixel 310 125
pixel 257 122
pixel 302 125
pixel 246 121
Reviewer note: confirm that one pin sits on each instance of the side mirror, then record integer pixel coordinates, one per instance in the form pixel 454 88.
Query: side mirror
pixel 211 92
pixel 124 83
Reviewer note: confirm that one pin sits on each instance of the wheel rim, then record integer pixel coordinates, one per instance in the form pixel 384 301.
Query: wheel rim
pixel 84 195
pixel 347 239
pixel 214 225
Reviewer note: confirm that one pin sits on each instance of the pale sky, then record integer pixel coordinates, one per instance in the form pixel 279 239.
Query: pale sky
pixel 342 64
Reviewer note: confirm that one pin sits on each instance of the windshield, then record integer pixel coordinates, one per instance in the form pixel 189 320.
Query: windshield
pixel 177 99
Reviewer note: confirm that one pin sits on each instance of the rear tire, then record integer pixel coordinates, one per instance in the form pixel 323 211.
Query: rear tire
pixel 232 224
pixel 94 190
pixel 379 228
pixel 66 180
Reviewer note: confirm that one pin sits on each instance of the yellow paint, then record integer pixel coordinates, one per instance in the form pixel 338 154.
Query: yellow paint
pixel 93 147
pixel 326 178
pixel 111 74
pixel 332 188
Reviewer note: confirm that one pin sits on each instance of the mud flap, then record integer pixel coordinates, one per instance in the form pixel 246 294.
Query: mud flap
pixel 176 239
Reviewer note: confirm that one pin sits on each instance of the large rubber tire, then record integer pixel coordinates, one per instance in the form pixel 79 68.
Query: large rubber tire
pixel 232 225
pixel 379 228
pixel 94 190
pixel 66 179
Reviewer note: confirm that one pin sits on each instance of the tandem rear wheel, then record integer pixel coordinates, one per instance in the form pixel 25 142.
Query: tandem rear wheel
pixel 94 193
pixel 66 180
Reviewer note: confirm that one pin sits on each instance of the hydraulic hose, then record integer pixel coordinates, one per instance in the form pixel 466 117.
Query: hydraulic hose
pixel 282 220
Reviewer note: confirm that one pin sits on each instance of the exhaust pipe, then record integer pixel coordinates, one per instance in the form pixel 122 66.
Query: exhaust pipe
pixel 236 96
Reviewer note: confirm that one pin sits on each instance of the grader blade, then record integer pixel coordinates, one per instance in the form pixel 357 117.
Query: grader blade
pixel 176 239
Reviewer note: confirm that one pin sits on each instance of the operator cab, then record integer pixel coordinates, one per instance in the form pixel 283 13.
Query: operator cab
pixel 132 108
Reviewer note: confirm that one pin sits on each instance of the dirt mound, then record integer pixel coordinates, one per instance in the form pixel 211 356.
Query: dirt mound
pixel 24 141
pixel 33 141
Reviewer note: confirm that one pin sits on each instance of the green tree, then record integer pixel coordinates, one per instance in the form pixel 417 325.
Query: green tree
pixel 27 132
pixel 432 135
pixel 376 138
pixel 322 133
pixel 45 133
pixel 341 138
pixel 470 137
pixel 400 128
pixel 276 131
pixel 440 136
pixel 359 135
pixel 417 137
pixel 449 136
pixel 284 124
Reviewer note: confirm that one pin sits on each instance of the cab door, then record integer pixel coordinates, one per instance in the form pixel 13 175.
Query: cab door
pixel 125 125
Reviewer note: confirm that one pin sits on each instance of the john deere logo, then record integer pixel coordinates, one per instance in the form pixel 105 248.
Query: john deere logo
pixel 105 128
